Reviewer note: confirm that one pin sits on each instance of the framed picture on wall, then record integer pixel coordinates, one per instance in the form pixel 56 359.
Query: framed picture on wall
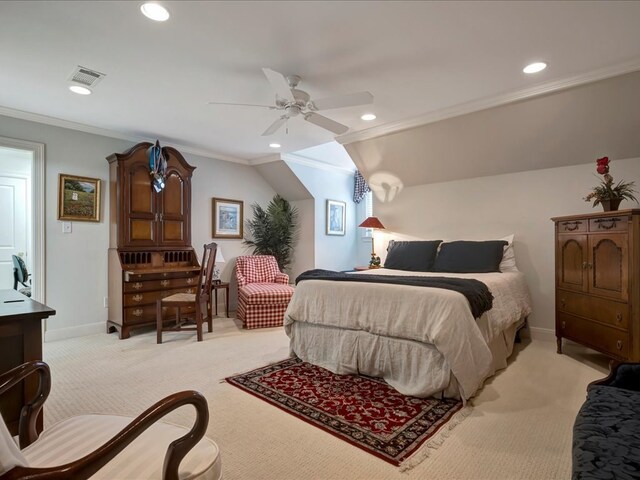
pixel 228 218
pixel 78 198
pixel 336 213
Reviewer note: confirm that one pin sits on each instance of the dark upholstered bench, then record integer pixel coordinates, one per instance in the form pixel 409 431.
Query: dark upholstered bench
pixel 606 433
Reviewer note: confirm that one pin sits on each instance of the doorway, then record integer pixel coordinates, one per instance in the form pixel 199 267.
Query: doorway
pixel 22 212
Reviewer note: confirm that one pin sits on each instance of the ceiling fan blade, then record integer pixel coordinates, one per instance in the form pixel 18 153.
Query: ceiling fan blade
pixel 350 100
pixel 279 84
pixel 326 123
pixel 271 107
pixel 273 128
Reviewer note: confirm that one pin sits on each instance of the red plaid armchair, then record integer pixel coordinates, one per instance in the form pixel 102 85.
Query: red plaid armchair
pixel 263 291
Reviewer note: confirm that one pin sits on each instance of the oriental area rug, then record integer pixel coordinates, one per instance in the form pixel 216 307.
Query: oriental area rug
pixel 364 411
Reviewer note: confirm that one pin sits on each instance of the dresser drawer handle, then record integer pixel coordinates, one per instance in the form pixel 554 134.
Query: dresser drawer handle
pixel 189 290
pixel 563 302
pixel 619 344
pixel 137 312
pixel 602 221
pixel 137 298
pixel 164 283
pixel 571 226
pixel 189 280
pixel 564 324
pixel 137 286
pixel 584 265
pixel 619 317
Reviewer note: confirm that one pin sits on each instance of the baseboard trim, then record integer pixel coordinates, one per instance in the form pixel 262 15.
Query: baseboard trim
pixel 72 332
pixel 542 334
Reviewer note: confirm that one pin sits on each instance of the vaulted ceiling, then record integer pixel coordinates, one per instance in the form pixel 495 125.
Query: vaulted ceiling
pixel 420 60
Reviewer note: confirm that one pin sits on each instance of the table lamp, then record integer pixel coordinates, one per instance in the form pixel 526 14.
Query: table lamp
pixel 216 268
pixel 374 223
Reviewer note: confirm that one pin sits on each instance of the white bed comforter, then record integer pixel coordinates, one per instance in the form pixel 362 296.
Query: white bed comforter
pixel 428 315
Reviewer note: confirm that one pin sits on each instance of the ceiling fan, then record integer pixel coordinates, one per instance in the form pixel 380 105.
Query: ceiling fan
pixel 294 102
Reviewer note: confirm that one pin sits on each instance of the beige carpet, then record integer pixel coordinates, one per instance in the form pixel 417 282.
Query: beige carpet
pixel 519 428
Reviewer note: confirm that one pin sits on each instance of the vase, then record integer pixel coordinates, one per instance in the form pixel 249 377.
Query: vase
pixel 611 204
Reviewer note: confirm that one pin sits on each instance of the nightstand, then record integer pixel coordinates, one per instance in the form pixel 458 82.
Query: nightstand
pixel 221 286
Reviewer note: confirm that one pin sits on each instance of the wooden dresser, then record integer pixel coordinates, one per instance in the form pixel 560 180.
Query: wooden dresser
pixel 598 282
pixel 150 253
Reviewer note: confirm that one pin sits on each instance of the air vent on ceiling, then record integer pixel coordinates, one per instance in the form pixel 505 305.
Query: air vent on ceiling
pixel 86 76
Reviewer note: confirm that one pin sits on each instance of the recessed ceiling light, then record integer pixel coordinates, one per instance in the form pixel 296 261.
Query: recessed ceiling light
pixel 80 90
pixel 367 117
pixel 534 67
pixel 154 11
pixel 275 145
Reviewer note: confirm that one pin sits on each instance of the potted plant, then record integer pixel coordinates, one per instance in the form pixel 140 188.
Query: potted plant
pixel 606 194
pixel 273 231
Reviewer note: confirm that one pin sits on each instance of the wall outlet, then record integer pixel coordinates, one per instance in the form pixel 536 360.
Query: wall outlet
pixel 66 227
pixel 105 302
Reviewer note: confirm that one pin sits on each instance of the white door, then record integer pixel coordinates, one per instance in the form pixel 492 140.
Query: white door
pixel 13 226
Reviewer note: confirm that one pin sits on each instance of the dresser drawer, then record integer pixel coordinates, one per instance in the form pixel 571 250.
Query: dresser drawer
pixel 605 311
pixel 608 340
pixel 150 285
pixel 609 224
pixel 145 298
pixel 573 226
pixel 147 313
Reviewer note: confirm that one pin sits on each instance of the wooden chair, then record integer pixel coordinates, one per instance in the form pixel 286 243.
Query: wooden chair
pixel 201 300
pixel 106 446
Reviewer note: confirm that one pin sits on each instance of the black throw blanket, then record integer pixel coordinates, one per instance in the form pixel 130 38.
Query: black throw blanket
pixel 479 297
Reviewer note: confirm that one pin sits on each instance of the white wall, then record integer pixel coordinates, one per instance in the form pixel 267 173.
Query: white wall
pixel 332 252
pixel 76 263
pixel 303 254
pixel 492 207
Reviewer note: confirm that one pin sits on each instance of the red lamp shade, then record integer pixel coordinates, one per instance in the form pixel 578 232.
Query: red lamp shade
pixel 372 222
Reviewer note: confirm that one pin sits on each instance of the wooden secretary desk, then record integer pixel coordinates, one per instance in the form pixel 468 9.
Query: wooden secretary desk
pixel 150 252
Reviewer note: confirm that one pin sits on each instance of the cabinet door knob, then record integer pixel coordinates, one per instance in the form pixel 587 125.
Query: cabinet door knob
pixel 563 302
pixel 619 344
pixel 564 324
pixel 584 265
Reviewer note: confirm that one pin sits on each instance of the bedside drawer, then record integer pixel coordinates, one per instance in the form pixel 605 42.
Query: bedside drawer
pixel 609 224
pixel 610 341
pixel 573 226
pixel 606 311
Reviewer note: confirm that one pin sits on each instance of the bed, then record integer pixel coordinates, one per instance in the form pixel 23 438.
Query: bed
pixel 423 341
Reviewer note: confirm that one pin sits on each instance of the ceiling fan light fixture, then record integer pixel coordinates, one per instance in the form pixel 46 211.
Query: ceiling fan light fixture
pixel 367 117
pixel 534 67
pixel 80 90
pixel 154 11
pixel 275 145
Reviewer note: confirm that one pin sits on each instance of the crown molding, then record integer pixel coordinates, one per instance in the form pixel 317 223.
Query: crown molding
pixel 313 163
pixel 301 160
pixel 58 122
pixel 490 102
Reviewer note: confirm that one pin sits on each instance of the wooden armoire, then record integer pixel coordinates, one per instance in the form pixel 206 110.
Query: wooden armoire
pixel 150 252
pixel 598 282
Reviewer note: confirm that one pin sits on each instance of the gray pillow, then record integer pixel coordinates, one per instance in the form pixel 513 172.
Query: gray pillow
pixel 464 256
pixel 414 256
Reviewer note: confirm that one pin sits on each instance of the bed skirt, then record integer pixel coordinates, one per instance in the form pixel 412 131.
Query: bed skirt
pixel 413 368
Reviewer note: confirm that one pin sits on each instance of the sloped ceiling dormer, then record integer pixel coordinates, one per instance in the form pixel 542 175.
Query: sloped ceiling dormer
pixel 568 127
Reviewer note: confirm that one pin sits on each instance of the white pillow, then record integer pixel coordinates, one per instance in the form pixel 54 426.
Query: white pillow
pixel 508 263
pixel 10 455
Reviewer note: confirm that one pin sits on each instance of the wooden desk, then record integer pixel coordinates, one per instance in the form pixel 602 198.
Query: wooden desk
pixel 20 341
pixel 221 286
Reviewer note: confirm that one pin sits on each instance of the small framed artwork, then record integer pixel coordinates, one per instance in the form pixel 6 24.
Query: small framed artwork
pixel 78 198
pixel 336 212
pixel 228 218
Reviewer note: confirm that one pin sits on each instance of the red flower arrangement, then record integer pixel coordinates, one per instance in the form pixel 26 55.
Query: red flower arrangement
pixel 606 190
